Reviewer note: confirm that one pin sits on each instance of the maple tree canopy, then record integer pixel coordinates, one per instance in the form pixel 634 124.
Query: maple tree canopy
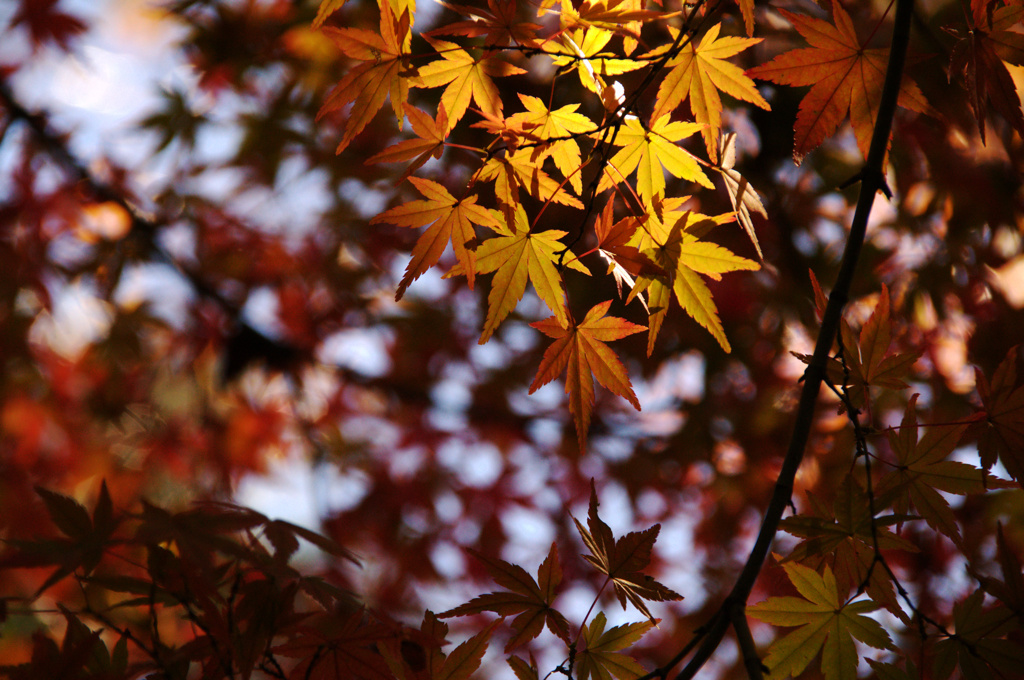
pixel 595 339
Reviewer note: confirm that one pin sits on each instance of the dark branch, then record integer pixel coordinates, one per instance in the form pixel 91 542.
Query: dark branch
pixel 872 181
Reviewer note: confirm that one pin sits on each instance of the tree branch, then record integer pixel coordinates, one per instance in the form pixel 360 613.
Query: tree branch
pixel 872 178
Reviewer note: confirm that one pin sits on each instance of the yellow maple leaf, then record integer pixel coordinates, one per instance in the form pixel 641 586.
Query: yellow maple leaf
pixel 698 74
pixel 621 17
pixel 826 625
pixel 561 124
pixel 467 78
pixel 520 170
pixel 517 255
pixel 648 151
pixel 581 51
pixel 601 658
pixel 685 257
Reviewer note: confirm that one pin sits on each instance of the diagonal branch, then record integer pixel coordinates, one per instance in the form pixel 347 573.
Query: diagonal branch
pixel 872 180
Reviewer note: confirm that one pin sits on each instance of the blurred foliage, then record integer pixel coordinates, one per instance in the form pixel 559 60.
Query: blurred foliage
pixel 225 307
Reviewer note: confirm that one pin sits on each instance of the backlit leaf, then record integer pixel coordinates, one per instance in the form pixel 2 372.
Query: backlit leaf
pixel 623 560
pixel 581 351
pixel 431 135
pixel 384 72
pixel 650 153
pixel 698 74
pixel 531 600
pixel 844 76
pixel 466 77
pixel 451 220
pixel 601 658
pixel 825 625
pixel 517 256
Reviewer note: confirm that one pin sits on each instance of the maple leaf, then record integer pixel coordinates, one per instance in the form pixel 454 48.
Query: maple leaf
pixel 743 197
pixel 887 671
pixel 747 10
pixel 922 471
pixel 349 649
pixel 522 669
pixel 562 124
pixel 463 661
pixel 685 257
pixel 581 351
pixel 622 17
pixel 622 560
pixel 45 22
pixel 497 23
pixel 978 59
pixel 511 131
pixel 416 654
pixel 580 51
pixel 451 219
pixel 844 538
pixel 647 152
pixel 530 599
pixel 467 77
pixel 1002 419
pixel 1009 591
pixel 867 357
pixel 326 9
pixel 844 75
pixel 431 135
pixel 601 658
pixel 698 74
pixel 979 647
pixel 516 256
pixel 624 261
pixel 82 550
pixel 518 170
pixel 826 625
pixel 384 71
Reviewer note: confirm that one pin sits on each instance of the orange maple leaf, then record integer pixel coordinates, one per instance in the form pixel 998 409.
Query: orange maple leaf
pixel 624 261
pixel 580 350
pixel 467 77
pixel 868 357
pixel 844 75
pixel 452 220
pixel 385 70
pixel 431 135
